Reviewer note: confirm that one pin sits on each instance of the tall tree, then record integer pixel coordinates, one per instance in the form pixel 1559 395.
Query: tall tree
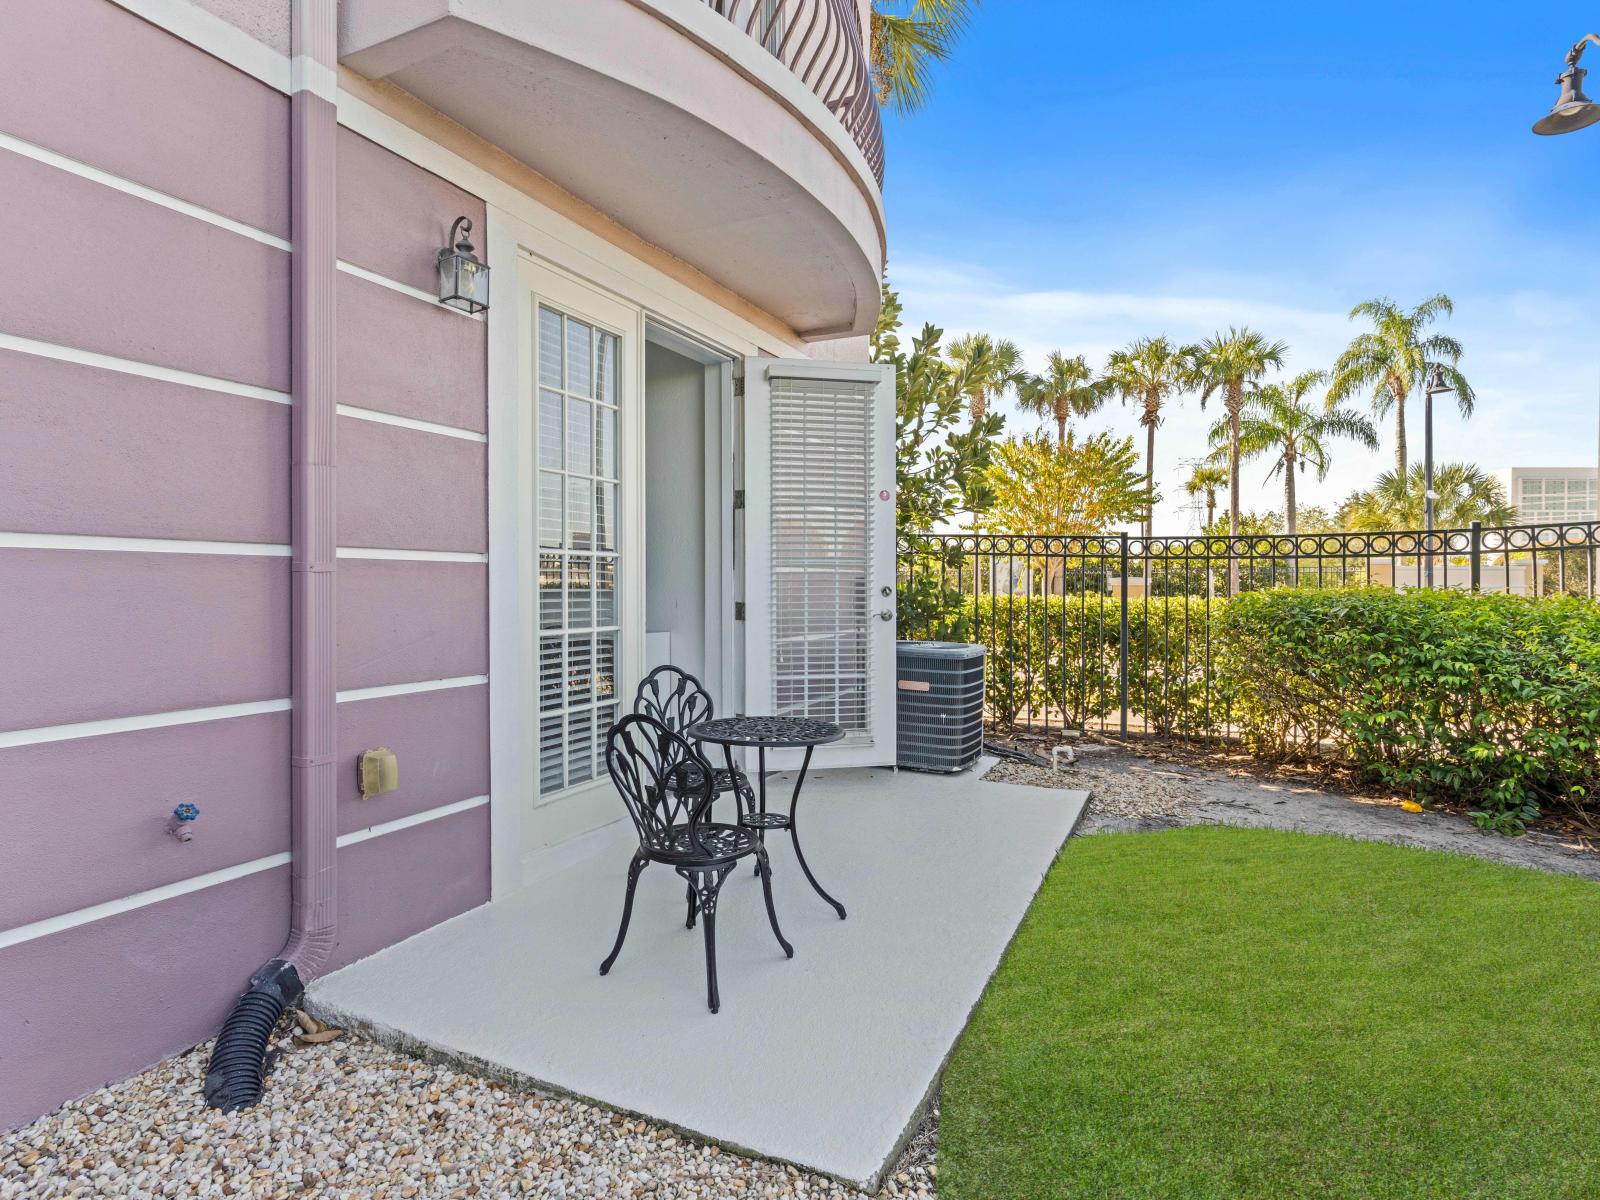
pixel 1466 493
pixel 1148 372
pixel 908 39
pixel 1065 389
pixel 1281 420
pixel 1393 359
pixel 1207 479
pixel 988 368
pixel 1229 363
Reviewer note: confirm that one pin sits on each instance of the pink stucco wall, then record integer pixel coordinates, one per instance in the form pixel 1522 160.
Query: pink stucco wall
pixel 95 634
pixel 142 105
pixel 143 458
pixel 139 281
pixel 401 356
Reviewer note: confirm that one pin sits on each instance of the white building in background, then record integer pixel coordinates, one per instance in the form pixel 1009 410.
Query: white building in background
pixel 1550 494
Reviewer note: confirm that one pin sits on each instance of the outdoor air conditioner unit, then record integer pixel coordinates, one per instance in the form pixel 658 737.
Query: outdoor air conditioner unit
pixel 939 705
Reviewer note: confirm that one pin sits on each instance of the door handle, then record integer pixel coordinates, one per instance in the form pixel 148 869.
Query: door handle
pixel 886 615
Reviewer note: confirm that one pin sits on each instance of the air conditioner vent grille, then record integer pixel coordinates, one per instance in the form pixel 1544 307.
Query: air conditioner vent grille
pixel 939 705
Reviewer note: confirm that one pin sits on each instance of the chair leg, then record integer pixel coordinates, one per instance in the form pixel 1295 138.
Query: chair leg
pixel 634 868
pixel 707 883
pixel 688 922
pixel 765 869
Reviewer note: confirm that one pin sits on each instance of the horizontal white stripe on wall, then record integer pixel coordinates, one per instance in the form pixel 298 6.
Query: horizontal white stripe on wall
pixel 117 183
pixel 138 545
pixel 408 689
pixel 380 552
pixel 97 912
pixel 394 285
pixel 383 418
pixel 188 716
pixel 356 836
pixel 215 712
pixel 142 545
pixel 128 366
pixel 182 887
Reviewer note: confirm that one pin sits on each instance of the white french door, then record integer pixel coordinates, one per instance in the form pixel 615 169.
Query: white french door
pixel 819 535
pixel 583 384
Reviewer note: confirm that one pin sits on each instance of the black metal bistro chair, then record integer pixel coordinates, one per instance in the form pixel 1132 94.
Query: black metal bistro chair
pixel 678 700
pixel 645 759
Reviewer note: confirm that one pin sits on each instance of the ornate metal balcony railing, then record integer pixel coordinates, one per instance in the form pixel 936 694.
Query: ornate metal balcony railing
pixel 823 44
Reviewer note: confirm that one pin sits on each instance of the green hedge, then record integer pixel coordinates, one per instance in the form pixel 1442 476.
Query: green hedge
pixel 1484 699
pixel 1062 654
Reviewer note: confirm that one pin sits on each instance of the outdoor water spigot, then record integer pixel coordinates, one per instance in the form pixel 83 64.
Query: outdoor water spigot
pixel 181 825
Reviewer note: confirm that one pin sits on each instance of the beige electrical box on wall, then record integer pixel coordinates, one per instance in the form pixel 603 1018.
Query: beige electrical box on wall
pixel 380 772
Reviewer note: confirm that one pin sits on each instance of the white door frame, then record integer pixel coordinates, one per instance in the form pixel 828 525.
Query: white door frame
pixel 510 241
pixel 758 626
pixel 722 448
pixel 521 821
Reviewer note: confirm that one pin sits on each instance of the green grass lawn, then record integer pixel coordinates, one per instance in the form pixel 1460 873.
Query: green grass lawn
pixel 1239 1013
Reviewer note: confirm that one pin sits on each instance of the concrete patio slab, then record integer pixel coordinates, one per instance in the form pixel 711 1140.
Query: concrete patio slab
pixel 825 1061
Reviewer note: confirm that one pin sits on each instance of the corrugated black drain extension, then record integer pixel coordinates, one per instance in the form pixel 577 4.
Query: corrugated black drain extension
pixel 235 1077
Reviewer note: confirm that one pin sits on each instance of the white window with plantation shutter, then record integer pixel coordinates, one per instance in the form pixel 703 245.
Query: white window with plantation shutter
pixel 580 604
pixel 819 535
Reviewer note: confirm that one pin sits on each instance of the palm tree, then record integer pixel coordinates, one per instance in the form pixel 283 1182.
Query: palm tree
pixel 908 38
pixel 987 368
pixel 1393 360
pixel 1207 479
pixel 1229 363
pixel 1147 372
pixel 1466 493
pixel 1066 389
pixel 1280 420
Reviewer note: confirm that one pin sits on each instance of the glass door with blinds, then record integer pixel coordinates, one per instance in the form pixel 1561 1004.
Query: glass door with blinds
pixel 819 536
pixel 584 361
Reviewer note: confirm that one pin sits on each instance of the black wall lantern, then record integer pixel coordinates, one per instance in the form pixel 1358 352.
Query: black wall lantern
pixel 463 276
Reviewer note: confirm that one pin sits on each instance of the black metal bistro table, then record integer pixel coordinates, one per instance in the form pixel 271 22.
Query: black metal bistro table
pixel 772 733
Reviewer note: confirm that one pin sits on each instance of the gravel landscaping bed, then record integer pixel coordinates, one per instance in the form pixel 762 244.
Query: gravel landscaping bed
pixel 1122 793
pixel 351 1119
pixel 1159 786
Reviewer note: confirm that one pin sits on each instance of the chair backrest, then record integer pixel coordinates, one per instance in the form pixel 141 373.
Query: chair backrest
pixel 674 697
pixel 646 761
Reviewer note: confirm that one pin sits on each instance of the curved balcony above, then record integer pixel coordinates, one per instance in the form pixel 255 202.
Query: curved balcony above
pixel 740 136
pixel 822 42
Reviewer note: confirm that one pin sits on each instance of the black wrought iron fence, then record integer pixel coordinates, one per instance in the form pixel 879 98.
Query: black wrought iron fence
pixel 1114 632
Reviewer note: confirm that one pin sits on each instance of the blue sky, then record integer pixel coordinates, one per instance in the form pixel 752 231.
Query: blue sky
pixel 1090 173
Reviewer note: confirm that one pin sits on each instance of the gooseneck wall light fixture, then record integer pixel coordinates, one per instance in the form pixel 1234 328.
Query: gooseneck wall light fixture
pixel 463 276
pixel 1573 110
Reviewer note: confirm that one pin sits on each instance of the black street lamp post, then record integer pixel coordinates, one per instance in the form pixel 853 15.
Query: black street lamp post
pixel 1436 386
pixel 1573 110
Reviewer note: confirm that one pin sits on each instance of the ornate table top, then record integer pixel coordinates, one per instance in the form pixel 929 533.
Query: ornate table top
pixel 765 731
